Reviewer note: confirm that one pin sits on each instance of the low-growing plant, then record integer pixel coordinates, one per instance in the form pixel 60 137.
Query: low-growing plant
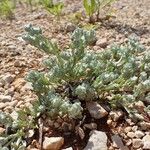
pixel 119 75
pixel 53 8
pixel 6 9
pixel 95 6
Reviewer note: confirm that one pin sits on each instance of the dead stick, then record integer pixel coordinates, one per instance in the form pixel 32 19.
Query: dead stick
pixel 40 133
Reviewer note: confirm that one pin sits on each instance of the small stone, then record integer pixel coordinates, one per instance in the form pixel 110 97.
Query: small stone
pixel 127 129
pixel 56 125
pixel 27 86
pixel 10 91
pixel 144 125
pixel 139 116
pixel 116 115
pixel 14 115
pixel 139 104
pixel 4 98
pixel 3 105
pixel 109 121
pixel 131 134
pixel 146 145
pixel 134 128
pixel 8 109
pixel 146 138
pixel 17 63
pixel 97 141
pixel 129 142
pixel 70 27
pixel 139 134
pixel 8 78
pixel 90 126
pixel 96 110
pixel 18 83
pixel 146 142
pixel 53 143
pixel 117 141
pixel 137 143
pixel 102 43
pixel 129 121
pixel 2 130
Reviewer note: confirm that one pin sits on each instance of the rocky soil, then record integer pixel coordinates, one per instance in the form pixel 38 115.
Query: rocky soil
pixel 17 58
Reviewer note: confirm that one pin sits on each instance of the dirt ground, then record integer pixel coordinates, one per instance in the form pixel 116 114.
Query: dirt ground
pixel 131 18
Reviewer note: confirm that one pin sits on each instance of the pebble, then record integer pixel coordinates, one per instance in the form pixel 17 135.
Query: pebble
pixel 4 98
pixel 70 27
pixel 117 141
pixel 116 115
pixel 18 83
pixel 134 128
pixel 146 142
pixel 102 43
pixel 3 105
pixel 131 134
pixel 128 129
pixel 139 104
pixel 97 141
pixel 139 134
pixel 146 145
pixel 8 78
pixel 53 143
pixel 137 143
pixel 144 125
pixel 2 130
pixel 90 126
pixel 146 138
pixel 96 110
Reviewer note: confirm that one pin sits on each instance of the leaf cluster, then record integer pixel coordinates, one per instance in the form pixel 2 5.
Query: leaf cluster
pixel 95 6
pixel 6 9
pixel 53 8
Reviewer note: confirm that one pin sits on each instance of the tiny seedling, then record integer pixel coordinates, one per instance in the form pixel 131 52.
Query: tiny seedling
pixel 6 9
pixel 53 8
pixel 95 6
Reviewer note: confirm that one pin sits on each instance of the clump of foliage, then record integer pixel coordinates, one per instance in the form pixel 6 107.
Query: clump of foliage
pixel 6 9
pixel 95 6
pixel 53 8
pixel 119 75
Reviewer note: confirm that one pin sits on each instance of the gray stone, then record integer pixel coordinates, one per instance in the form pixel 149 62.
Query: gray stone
pixel 96 110
pixel 97 141
pixel 70 27
pixel 8 78
pixel 117 141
